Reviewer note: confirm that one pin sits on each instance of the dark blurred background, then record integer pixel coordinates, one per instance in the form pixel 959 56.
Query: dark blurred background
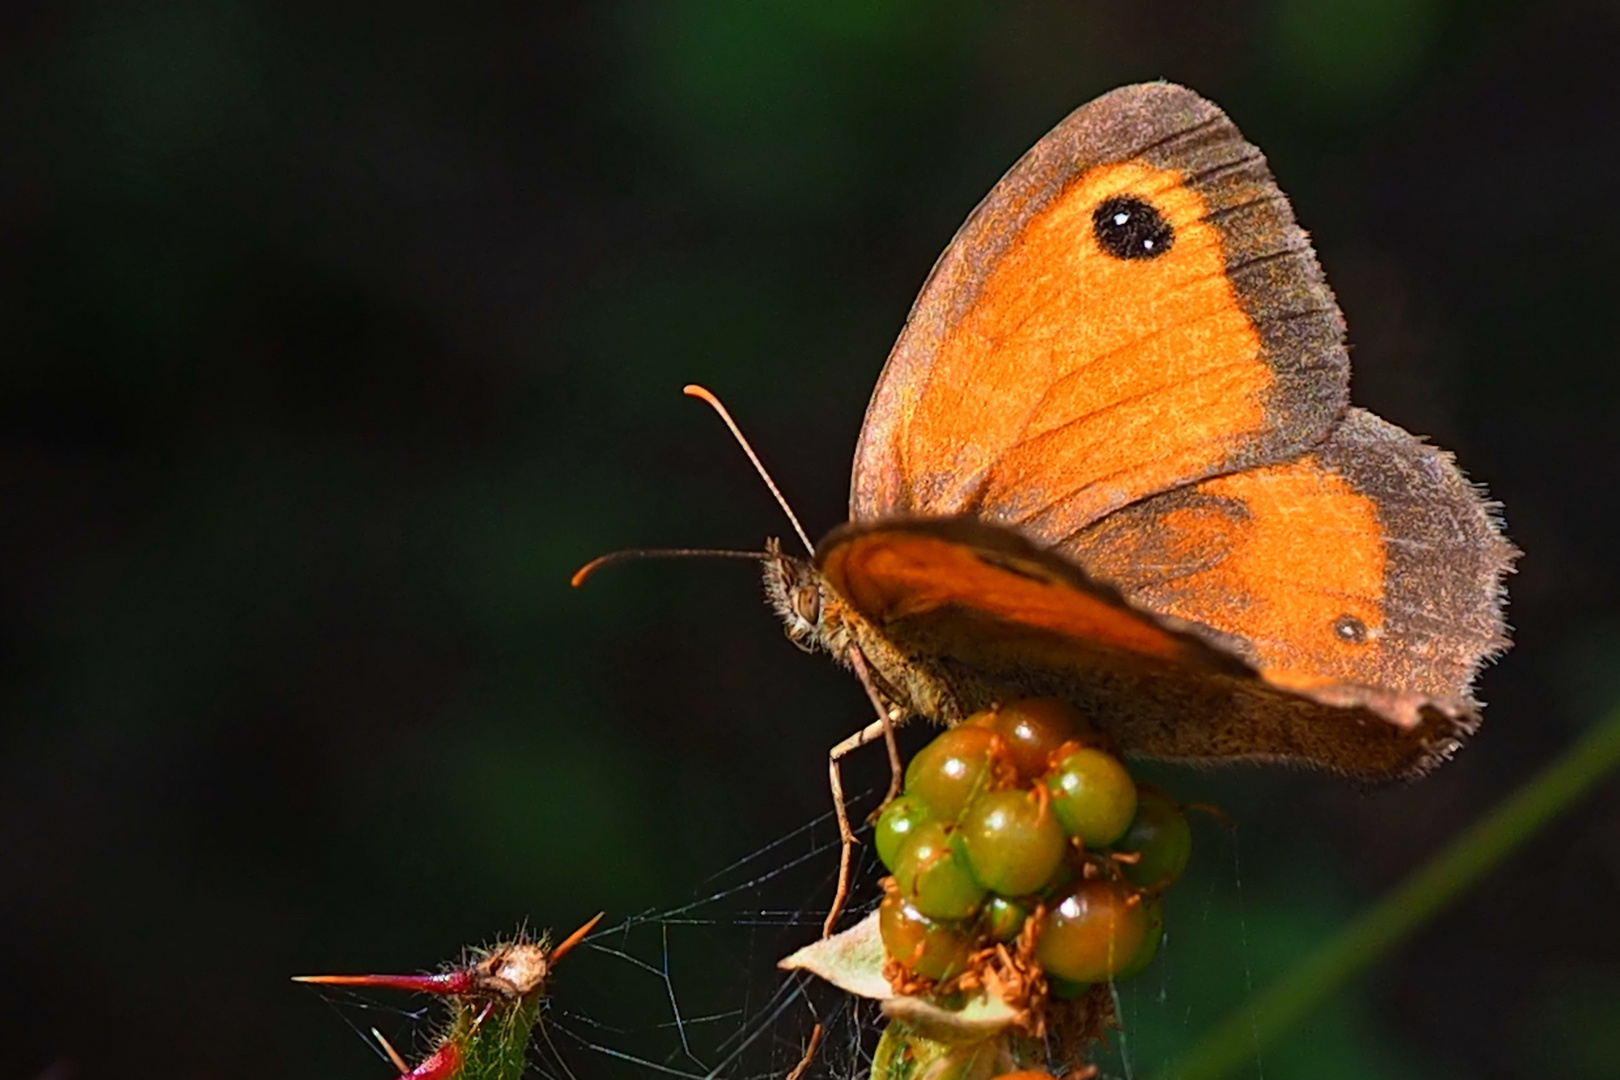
pixel 334 336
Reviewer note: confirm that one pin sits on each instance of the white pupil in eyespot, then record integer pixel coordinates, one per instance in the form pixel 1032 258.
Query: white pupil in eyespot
pixel 1120 219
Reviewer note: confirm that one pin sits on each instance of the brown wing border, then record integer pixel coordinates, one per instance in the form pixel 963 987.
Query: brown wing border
pixel 1448 555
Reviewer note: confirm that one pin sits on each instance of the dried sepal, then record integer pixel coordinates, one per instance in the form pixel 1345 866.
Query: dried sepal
pixel 851 960
pixel 980 1017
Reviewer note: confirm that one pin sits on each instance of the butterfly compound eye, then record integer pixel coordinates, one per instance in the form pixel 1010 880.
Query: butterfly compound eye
pixel 807 603
pixel 1130 228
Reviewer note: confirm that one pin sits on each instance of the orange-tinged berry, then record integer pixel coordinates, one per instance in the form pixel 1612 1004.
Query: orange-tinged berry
pixel 1158 837
pixel 895 825
pixel 1032 729
pixel 1093 796
pixel 1093 932
pixel 948 772
pixel 923 946
pixel 1014 845
pixel 1002 919
pixel 932 875
pixel 1150 941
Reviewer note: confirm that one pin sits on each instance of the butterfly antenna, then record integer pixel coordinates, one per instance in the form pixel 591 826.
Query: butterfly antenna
pixel 699 392
pixel 661 553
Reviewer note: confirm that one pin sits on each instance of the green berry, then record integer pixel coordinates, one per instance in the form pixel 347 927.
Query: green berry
pixel 1066 989
pixel 1093 796
pixel 1093 932
pixel 1150 942
pixel 948 772
pixel 923 946
pixel 1031 730
pixel 933 876
pixel 1159 836
pixel 897 822
pixel 1014 844
pixel 1059 884
pixel 1002 919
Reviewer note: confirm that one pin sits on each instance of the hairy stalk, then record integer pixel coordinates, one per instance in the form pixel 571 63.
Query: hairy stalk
pixel 495 1000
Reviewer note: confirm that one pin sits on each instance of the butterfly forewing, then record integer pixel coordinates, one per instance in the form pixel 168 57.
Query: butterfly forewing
pixel 1131 309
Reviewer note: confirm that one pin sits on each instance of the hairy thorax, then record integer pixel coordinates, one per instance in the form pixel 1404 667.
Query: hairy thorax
pixel 816 618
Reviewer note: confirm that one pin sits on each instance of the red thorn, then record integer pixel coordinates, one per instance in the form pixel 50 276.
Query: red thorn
pixel 446 982
pixel 388 1048
pixel 442 1064
pixel 575 938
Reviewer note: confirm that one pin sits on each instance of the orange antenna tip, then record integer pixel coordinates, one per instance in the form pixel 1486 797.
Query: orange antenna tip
pixel 662 553
pixel 588 569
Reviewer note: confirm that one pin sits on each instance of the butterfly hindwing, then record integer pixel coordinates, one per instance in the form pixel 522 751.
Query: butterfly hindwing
pixel 1370 562
pixel 982 613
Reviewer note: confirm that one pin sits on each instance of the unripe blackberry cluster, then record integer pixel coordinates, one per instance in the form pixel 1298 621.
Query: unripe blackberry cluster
pixel 1021 813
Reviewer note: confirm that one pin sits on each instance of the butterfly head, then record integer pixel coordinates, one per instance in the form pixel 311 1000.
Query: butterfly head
pixel 801 596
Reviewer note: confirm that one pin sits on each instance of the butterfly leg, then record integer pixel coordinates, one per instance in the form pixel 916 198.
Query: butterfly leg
pixel 882 727
pixel 870 733
pixel 888 717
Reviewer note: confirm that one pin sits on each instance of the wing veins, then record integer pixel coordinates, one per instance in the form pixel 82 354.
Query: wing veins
pixel 1176 136
pixel 1090 362
pixel 1235 165
pixel 984 482
pixel 1273 197
pixel 1025 439
pixel 1270 256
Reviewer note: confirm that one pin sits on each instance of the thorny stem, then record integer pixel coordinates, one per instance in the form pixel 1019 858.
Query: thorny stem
pixel 1412 903
pixel 495 1002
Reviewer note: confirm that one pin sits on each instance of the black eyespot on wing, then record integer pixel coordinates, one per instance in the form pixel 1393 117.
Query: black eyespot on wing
pixel 1350 629
pixel 1130 228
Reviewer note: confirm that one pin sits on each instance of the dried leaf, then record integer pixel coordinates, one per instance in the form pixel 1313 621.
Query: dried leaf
pixel 851 961
pixel 981 1017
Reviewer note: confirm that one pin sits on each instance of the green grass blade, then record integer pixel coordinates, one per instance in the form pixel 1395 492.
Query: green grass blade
pixel 1441 880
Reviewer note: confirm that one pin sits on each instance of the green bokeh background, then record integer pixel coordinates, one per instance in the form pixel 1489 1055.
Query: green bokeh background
pixel 333 337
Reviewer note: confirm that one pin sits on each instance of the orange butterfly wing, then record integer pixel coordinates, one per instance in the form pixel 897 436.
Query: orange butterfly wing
pixel 983 615
pixel 1128 354
pixel 1042 381
pixel 909 570
pixel 1365 572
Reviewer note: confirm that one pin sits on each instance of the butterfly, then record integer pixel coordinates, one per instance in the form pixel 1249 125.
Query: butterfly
pixel 1111 459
